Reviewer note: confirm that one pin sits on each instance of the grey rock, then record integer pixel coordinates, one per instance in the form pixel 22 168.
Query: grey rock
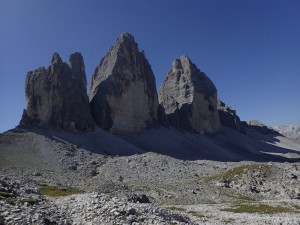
pixel 290 131
pixel 139 198
pixel 57 96
pixel 189 98
pixel 260 127
pixel 123 93
pixel 229 118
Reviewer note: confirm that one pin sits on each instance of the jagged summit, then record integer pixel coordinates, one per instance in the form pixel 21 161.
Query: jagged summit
pixel 56 58
pixel 123 42
pixel 123 97
pixel 76 64
pixel 57 96
pixel 126 36
pixel 189 98
pixel 126 40
pixel 123 93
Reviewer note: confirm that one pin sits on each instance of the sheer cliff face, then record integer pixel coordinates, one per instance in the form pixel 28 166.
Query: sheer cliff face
pixel 189 98
pixel 57 96
pixel 123 93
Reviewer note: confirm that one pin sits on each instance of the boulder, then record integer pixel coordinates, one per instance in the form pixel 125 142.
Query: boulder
pixel 57 96
pixel 189 98
pixel 123 93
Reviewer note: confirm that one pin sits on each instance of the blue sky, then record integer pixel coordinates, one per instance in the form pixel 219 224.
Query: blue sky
pixel 250 49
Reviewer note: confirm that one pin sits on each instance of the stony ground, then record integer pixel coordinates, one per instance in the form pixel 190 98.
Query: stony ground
pixel 56 182
pixel 22 204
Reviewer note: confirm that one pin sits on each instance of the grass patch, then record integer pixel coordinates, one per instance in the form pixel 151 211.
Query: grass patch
pixel 228 220
pixel 262 209
pixel 296 206
pixel 5 194
pixel 174 208
pixel 194 213
pixel 57 192
pixel 246 198
pixel 200 216
pixel 238 198
pixel 235 173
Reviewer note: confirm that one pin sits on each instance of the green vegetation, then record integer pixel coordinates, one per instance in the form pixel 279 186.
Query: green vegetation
pixel 201 216
pixel 235 173
pixel 194 213
pixel 57 192
pixel 228 220
pixel 238 197
pixel 262 209
pixel 174 208
pixel 296 206
pixel 95 215
pixel 172 223
pixel 246 198
pixel 5 194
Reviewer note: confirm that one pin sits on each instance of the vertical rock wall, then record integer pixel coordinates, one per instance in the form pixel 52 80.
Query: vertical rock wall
pixel 57 96
pixel 123 93
pixel 189 98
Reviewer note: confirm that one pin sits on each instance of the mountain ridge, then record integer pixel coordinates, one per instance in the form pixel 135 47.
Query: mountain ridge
pixel 123 97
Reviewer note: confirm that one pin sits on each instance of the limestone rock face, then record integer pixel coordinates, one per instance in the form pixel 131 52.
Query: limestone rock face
pixel 57 96
pixel 229 118
pixel 123 93
pixel 189 98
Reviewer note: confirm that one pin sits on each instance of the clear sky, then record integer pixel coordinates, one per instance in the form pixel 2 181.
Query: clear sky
pixel 250 49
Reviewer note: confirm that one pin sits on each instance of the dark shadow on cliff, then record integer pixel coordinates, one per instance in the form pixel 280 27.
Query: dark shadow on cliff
pixel 227 145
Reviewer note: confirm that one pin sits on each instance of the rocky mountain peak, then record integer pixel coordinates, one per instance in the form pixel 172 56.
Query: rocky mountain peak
pixel 125 36
pixel 123 93
pixel 77 67
pixel 56 64
pixel 183 62
pixel 126 43
pixel 189 98
pixel 57 96
pixel 56 58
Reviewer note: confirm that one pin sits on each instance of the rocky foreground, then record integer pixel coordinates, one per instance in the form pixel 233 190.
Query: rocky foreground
pixel 46 179
pixel 250 196
pixel 22 204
